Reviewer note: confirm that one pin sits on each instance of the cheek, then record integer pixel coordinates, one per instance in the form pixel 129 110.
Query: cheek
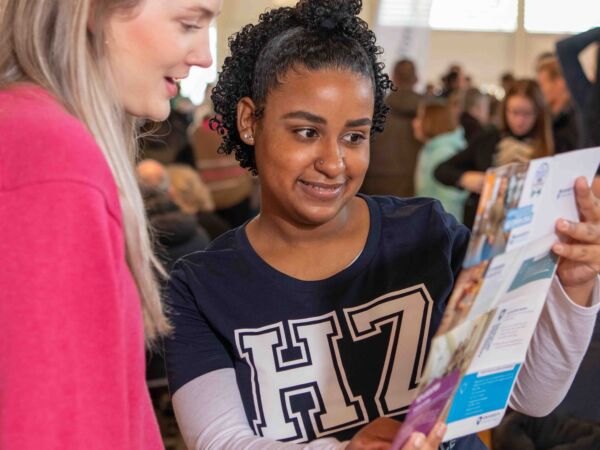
pixel 145 44
pixel 529 123
pixel 358 163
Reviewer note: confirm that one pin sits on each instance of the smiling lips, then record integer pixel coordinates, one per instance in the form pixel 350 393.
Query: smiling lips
pixel 321 191
pixel 172 85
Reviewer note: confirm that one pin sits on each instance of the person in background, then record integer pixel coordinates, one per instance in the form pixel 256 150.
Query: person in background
pixel 181 186
pixel 192 196
pixel 152 177
pixel 79 295
pixel 455 103
pixel 584 92
pixel 526 133
pixel 565 124
pixel 506 81
pixel 429 92
pixel 394 151
pixel 436 128
pixel 475 114
pixel 453 80
pixel 177 233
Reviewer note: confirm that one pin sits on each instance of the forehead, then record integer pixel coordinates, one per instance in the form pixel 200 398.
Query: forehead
pixel 147 11
pixel 519 101
pixel 329 91
pixel 207 7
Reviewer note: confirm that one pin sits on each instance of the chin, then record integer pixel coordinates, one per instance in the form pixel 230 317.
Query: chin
pixel 157 111
pixel 320 216
pixel 160 113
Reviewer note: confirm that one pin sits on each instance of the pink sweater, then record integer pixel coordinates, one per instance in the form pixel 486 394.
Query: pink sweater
pixel 71 334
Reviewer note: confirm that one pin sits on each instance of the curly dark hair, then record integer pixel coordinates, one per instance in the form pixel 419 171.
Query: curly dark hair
pixel 314 34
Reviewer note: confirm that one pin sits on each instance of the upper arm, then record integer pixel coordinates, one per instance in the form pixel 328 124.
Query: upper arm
pixel 194 348
pixel 568 51
pixel 450 170
pixel 61 315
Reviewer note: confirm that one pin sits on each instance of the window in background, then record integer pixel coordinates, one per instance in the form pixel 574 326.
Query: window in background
pixel 469 15
pixel 409 13
pixel 560 16
pixel 474 15
pixel 194 85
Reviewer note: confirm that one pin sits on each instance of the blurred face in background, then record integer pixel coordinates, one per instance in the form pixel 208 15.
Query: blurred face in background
pixel 554 89
pixel 153 46
pixel 521 114
pixel 481 109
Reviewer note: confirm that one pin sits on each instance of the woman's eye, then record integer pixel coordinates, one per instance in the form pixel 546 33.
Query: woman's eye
pixel 189 26
pixel 307 133
pixel 354 138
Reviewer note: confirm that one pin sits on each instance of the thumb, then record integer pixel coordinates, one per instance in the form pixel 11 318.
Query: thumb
pixel 415 442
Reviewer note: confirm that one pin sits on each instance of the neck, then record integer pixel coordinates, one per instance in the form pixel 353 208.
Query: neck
pixel 280 230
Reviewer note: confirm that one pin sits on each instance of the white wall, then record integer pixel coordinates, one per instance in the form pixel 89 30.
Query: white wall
pixel 485 55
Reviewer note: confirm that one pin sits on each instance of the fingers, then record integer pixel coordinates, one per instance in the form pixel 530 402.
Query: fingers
pixel 583 231
pixel 418 441
pixel 589 254
pixel 587 204
pixel 387 428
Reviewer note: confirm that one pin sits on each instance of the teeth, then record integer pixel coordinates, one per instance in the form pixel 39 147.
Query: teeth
pixel 320 188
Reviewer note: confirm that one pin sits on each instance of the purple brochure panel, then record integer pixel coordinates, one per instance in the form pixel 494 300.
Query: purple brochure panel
pixel 426 409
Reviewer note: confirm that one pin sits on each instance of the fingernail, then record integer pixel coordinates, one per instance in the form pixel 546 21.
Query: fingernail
pixel 563 225
pixel 440 430
pixel 559 248
pixel 419 441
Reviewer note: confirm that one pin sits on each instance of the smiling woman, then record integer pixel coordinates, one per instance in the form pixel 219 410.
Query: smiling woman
pixel 306 327
pixel 79 296
pixel 176 33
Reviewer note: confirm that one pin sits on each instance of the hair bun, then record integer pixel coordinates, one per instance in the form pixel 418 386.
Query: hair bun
pixel 328 14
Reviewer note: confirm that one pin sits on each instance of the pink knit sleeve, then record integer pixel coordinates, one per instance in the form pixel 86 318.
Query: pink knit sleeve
pixel 64 359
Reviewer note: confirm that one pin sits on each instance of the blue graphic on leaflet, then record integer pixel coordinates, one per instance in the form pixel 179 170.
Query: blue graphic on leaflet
pixel 481 394
pixel 534 269
pixel 517 217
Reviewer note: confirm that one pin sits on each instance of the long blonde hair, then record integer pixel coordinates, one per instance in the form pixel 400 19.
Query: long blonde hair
pixel 48 43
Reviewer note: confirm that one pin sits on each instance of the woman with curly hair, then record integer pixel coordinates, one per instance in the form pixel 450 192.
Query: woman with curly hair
pixel 308 326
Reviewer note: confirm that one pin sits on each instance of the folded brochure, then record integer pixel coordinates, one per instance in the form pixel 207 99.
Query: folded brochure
pixel 480 346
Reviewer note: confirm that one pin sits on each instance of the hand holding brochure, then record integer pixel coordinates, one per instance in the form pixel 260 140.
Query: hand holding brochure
pixel 498 297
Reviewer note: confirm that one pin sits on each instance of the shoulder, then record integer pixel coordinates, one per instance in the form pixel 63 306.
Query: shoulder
pixel 418 213
pixel 42 142
pixel 220 252
pixel 489 135
pixel 419 223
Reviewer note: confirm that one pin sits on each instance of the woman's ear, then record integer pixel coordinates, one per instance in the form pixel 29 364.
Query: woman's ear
pixel 246 120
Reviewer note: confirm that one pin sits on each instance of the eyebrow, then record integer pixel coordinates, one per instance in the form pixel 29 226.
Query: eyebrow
pixel 359 122
pixel 320 120
pixel 199 9
pixel 306 116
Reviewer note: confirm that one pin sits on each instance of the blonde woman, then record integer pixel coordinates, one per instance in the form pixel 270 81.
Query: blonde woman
pixel 78 297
